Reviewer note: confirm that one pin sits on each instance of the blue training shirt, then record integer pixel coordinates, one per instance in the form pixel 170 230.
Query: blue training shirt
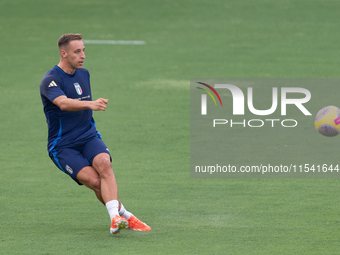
pixel 67 129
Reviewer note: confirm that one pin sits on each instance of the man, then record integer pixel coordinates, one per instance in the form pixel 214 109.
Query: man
pixel 74 145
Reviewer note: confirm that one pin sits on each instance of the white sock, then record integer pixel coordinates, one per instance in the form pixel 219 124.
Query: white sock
pixel 123 212
pixel 112 208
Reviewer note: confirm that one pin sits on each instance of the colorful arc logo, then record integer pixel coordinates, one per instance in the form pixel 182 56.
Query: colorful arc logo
pixel 213 90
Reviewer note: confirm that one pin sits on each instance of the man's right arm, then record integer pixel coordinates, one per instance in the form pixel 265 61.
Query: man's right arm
pixel 72 105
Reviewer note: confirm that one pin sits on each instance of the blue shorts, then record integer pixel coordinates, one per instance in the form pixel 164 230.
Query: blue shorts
pixel 71 160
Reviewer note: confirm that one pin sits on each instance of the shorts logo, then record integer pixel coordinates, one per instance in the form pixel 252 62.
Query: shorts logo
pixel 69 169
pixel 78 88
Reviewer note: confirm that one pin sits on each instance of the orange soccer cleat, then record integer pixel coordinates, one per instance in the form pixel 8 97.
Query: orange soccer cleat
pixel 117 224
pixel 137 225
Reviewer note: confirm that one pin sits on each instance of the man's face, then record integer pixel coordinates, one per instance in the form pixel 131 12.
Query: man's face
pixel 75 54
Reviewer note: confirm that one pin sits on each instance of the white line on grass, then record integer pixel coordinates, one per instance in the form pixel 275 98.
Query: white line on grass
pixel 113 42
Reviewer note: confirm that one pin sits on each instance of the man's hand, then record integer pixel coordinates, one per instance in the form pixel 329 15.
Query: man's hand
pixel 99 104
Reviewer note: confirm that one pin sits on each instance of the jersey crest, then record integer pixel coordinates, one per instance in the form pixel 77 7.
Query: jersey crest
pixel 78 88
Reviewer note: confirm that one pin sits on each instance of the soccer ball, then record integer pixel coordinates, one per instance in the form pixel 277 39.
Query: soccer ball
pixel 327 121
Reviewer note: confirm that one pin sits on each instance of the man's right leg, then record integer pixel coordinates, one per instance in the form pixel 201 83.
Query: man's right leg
pixel 72 162
pixel 91 179
pixel 102 164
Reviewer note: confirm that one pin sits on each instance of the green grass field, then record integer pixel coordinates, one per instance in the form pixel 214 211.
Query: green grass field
pixel 147 126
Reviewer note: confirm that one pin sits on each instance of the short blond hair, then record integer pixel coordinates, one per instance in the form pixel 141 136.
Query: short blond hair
pixel 65 39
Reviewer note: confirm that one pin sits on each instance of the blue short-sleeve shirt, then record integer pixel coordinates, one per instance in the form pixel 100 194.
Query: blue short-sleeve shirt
pixel 67 129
